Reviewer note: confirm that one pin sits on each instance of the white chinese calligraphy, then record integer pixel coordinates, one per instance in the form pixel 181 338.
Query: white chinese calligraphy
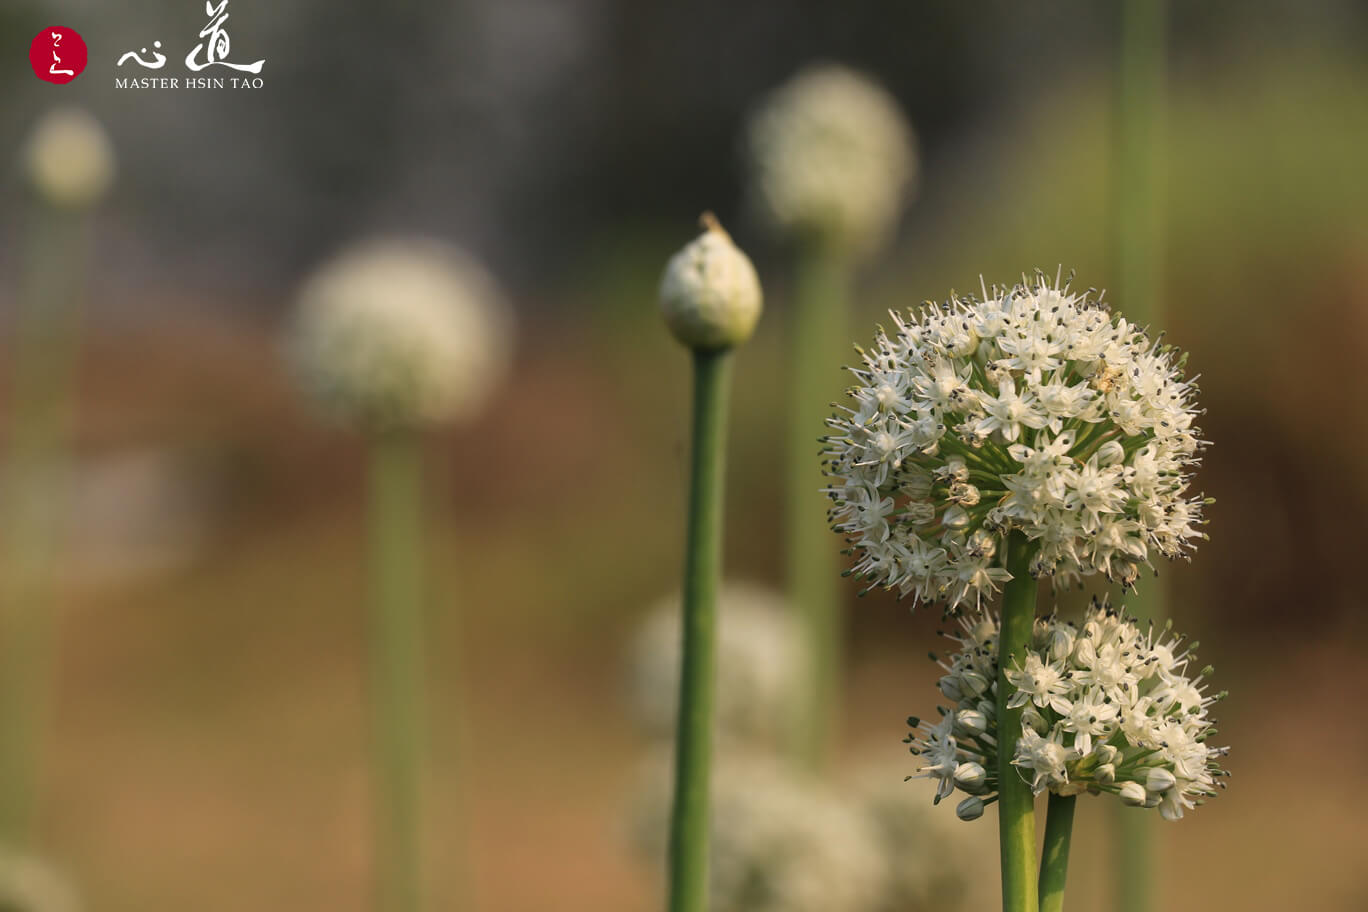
pixel 217 45
pixel 56 40
pixel 149 64
pixel 211 51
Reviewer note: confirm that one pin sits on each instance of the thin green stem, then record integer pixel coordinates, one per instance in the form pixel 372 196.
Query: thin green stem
pixel 1138 238
pixel 46 342
pixel 397 665
pixel 1016 807
pixel 702 574
pixel 816 339
pixel 1054 861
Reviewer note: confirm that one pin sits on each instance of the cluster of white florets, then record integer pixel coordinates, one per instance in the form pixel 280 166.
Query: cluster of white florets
pixel 401 333
pixel 831 156
pixel 1035 409
pixel 779 842
pixel 759 666
pixel 1108 708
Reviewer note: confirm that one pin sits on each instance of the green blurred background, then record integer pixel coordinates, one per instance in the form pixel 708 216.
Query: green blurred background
pixel 208 749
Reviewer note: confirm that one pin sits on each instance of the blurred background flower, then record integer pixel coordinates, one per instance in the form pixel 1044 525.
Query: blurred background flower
pixel 209 719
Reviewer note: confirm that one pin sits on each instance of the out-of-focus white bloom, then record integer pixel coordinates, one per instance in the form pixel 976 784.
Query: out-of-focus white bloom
pixel 28 884
pixel 69 159
pixel 1035 409
pixel 779 843
pixel 930 861
pixel 401 333
pixel 831 157
pixel 710 295
pixel 1121 714
pixel 759 666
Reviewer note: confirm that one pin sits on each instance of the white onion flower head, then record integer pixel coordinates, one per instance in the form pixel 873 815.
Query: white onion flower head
pixel 401 333
pixel 1120 713
pixel 710 294
pixel 1035 409
pixel 29 884
pixel 779 842
pixel 69 159
pixel 759 666
pixel 831 157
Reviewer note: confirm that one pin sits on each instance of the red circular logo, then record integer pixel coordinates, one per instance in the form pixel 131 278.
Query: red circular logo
pixel 58 54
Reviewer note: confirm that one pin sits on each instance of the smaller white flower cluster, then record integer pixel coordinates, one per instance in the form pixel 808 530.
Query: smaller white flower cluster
pixel 779 842
pixel 759 664
pixel 782 841
pixel 1034 410
pixel 1108 708
pixel 401 333
pixel 831 156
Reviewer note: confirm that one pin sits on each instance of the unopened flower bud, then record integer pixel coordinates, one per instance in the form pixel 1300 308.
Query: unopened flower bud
pixel 710 295
pixel 971 721
pixel 1110 453
pixel 1159 779
pixel 974 682
pixel 1133 794
pixel 970 809
pixel 917 485
pixel 1105 773
pixel 955 518
pixel 950 687
pixel 970 776
pixel 1032 717
pixel 919 512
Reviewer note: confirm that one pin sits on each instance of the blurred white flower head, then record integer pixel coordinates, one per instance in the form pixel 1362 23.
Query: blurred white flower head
pixel 401 333
pixel 29 884
pixel 1035 409
pixel 1109 708
pixel 710 295
pixel 931 863
pixel 831 157
pixel 779 843
pixel 759 665
pixel 69 159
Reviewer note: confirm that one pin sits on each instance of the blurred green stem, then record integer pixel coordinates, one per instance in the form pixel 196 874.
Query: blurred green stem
pixel 35 468
pixel 817 339
pixel 1016 804
pixel 1138 239
pixel 1054 861
pixel 396 542
pixel 702 573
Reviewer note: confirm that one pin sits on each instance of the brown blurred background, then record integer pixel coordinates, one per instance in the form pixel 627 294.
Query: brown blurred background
pixel 209 743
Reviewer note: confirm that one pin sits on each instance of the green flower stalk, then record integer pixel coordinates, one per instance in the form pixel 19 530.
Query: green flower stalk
pixel 393 337
pixel 831 157
pixel 1137 239
pixel 70 165
pixel 710 298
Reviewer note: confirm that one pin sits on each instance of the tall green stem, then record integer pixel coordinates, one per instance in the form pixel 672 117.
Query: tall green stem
pixel 46 342
pixel 1138 238
pixel 702 572
pixel 1054 861
pixel 816 343
pixel 397 664
pixel 1016 804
